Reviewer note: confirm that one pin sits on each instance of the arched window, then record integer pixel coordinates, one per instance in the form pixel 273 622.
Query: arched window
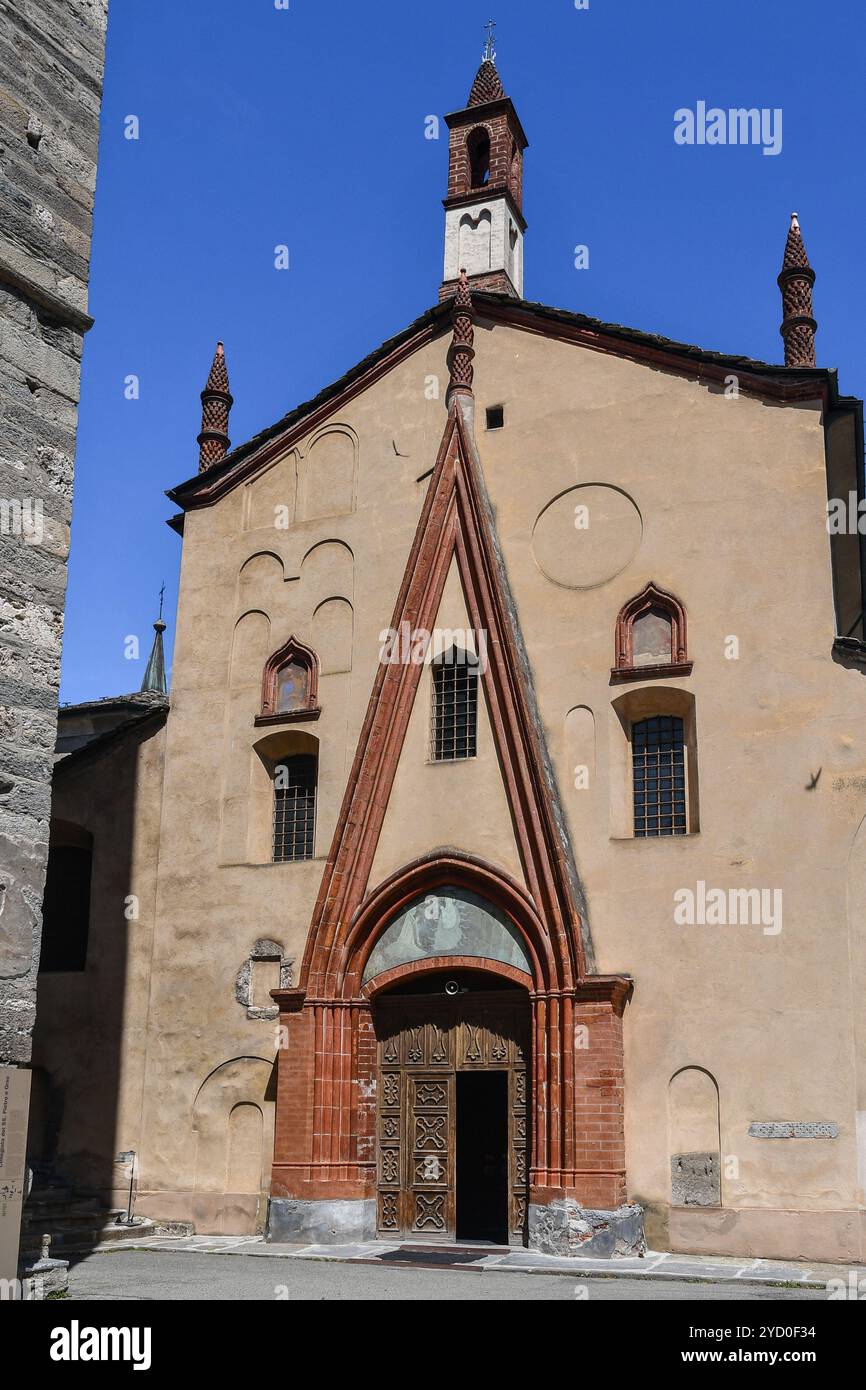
pixel 514 170
pixel 295 781
pixel 478 149
pixel 290 684
pixel 659 776
pixel 455 705
pixel 651 637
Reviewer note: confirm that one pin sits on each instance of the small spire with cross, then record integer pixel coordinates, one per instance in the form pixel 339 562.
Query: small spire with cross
pixel 154 682
pixel 489 53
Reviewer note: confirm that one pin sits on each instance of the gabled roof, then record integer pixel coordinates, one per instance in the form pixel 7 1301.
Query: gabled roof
pixel 771 382
pixel 112 716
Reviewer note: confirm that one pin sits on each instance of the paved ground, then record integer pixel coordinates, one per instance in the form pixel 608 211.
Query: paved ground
pixel 483 1257
pixel 157 1275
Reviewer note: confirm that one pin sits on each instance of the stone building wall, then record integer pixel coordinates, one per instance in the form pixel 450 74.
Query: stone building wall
pixel 51 67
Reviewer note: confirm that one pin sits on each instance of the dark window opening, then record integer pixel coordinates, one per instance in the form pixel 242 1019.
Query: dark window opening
pixel 66 909
pixel 295 808
pixel 455 706
pixel 478 147
pixel 482 1156
pixel 495 417
pixel 659 776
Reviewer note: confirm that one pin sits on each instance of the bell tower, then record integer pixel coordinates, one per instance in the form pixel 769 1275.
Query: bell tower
pixel 484 223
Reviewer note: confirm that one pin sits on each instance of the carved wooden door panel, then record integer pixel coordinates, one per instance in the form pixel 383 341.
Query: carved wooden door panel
pixel 518 1150
pixel 430 1152
pixel 390 1152
pixel 423 1044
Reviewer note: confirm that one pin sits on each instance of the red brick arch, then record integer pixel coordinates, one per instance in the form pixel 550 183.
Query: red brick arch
pixel 326 1104
pixel 437 965
pixel 425 876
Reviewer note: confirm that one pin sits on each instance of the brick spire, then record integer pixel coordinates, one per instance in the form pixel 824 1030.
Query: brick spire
pixel 462 349
pixel 216 402
pixel 795 281
pixel 487 85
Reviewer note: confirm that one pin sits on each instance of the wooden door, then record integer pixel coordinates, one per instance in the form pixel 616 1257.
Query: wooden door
pixel 424 1041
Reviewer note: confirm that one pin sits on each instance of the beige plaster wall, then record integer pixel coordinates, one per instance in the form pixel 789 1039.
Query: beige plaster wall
pixel 331 580
pixel 731 495
pixel 91 1040
pixel 434 804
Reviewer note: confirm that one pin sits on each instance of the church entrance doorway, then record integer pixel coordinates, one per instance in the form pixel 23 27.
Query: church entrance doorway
pixel 481 1156
pixel 452 1114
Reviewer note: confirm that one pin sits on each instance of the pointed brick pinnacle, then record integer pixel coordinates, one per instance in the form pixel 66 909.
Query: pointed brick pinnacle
pixel 795 281
pixel 218 379
pixel 216 402
pixel 487 85
pixel 795 251
pixel 462 348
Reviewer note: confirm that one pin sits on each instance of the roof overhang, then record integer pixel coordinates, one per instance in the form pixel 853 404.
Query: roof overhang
pixel 775 384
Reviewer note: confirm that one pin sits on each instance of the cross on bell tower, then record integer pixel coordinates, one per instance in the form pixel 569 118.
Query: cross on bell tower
pixel 484 223
pixel 489 54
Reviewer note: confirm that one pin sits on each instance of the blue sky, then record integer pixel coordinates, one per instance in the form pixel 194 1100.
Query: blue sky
pixel 262 126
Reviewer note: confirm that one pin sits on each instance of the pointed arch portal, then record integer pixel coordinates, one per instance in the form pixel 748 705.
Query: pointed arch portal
pixel 331 1150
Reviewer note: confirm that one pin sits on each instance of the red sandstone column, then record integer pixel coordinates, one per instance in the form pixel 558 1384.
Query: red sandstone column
pixel 578 1146
pixel 293 1121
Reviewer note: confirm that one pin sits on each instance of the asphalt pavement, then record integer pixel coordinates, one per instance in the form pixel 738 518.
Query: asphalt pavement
pixel 154 1275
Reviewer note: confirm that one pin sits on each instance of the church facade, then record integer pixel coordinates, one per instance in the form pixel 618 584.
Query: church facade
pixel 496 870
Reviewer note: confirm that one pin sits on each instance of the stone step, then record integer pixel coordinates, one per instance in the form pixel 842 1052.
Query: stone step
pixel 69 1239
pixel 48 1212
pixel 53 1192
pixel 31 1236
pixel 143 1227
pixel 38 1201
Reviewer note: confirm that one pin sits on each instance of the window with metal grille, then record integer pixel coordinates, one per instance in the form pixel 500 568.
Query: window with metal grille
pixel 659 776
pixel 295 807
pixel 455 705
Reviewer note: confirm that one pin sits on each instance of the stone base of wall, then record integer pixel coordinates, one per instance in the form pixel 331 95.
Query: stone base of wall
pixel 321 1222
pixel 43 1279
pixel 564 1227
pixel 831 1237
pixel 210 1213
